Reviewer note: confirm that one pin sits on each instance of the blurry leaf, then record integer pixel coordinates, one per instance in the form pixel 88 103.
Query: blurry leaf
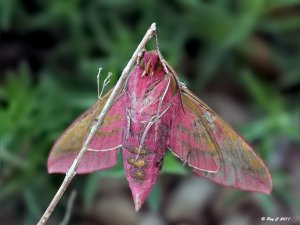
pixel 286 24
pixel 94 179
pixel 278 119
pixel 267 202
pixel 14 187
pixel 280 180
pixel 14 160
pixel 154 199
pixel 275 4
pixel 214 22
pixel 209 66
pixel 265 96
pixel 116 171
pixel 19 95
pixel 233 196
pixel 172 165
pixel 7 8
pixel 283 122
pixel 32 204
pixel 267 147
pixel 258 129
pixel 244 24
pixel 90 188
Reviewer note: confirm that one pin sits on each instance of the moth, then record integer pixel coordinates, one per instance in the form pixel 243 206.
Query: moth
pixel 155 113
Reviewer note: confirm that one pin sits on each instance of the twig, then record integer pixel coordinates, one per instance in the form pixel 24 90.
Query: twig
pixel 70 204
pixel 98 122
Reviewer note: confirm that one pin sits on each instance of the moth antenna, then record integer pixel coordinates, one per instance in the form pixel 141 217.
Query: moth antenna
pixel 98 81
pixel 161 98
pixel 160 55
pixel 105 83
pixel 188 155
pixel 167 67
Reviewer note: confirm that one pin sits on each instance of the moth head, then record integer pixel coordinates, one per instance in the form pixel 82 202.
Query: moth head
pixel 150 63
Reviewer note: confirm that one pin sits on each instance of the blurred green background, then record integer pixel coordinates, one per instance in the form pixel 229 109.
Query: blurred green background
pixel 241 57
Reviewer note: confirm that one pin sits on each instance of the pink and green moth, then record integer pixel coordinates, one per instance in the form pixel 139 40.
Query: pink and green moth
pixel 155 113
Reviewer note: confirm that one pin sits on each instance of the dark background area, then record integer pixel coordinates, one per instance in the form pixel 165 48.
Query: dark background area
pixel 241 57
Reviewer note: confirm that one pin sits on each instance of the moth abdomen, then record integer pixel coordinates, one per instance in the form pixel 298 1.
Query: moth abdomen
pixel 138 175
pixel 140 163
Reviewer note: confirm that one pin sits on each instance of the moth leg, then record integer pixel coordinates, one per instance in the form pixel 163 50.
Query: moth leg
pixel 105 82
pixel 128 124
pixel 161 98
pixel 104 150
pixel 188 155
pixel 150 123
pixel 140 56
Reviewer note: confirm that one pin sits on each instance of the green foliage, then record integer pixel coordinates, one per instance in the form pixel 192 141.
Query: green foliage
pixel 204 40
